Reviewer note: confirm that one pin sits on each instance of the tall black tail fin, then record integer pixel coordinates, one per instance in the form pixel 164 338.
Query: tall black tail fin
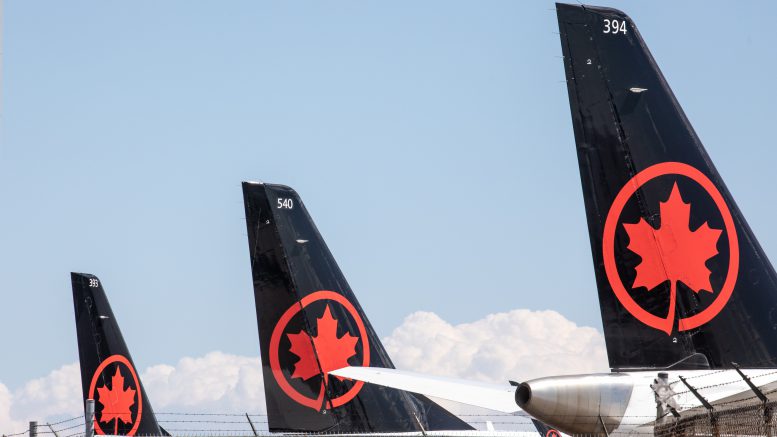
pixel 682 279
pixel 310 323
pixel 108 373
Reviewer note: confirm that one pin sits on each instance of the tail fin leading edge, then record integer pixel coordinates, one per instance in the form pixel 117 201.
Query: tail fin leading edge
pixel 310 323
pixel 108 374
pixel 682 279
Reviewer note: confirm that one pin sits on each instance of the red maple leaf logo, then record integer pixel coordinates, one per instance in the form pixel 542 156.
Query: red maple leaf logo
pixel 332 352
pixel 673 252
pixel 116 401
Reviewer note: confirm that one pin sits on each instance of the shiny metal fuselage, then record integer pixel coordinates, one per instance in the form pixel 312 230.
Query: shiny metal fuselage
pixel 624 401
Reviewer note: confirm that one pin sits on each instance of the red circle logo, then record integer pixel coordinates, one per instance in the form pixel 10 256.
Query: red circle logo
pixel 115 402
pixel 320 354
pixel 552 433
pixel 608 248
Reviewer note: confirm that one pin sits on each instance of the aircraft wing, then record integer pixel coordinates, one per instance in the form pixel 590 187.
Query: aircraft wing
pixel 499 397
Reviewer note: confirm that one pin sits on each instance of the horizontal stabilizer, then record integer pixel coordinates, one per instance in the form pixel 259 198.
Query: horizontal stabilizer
pixel 498 397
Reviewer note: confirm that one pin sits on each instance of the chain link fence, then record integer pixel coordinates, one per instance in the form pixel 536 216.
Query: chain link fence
pixel 742 418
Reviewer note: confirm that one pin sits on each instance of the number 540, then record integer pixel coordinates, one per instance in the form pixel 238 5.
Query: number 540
pixel 285 203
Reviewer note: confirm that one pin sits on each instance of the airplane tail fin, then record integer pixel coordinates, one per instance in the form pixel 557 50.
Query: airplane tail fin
pixel 682 279
pixel 310 323
pixel 108 374
pixel 545 430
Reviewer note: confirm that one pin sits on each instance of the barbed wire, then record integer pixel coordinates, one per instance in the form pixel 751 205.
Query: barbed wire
pixel 736 380
pixel 728 413
pixel 79 425
pixel 81 417
pixel 735 420
pixel 719 403
pixel 210 414
pixel 495 414
pixel 209 421
pixel 211 430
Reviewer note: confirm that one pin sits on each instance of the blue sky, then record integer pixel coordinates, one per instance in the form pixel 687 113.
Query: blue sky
pixel 431 142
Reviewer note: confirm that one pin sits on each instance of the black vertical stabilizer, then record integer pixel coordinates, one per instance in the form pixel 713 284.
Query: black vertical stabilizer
pixel 545 430
pixel 682 280
pixel 309 323
pixel 108 374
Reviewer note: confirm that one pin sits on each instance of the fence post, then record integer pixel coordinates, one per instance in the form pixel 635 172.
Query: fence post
pixel 89 418
pixel 52 430
pixel 33 429
pixel 252 425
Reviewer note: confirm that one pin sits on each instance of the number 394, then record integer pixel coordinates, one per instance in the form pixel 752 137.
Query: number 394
pixel 614 26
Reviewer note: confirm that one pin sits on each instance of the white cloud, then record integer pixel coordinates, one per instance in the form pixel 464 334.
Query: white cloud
pixel 8 425
pixel 51 398
pixel 56 394
pixel 215 382
pixel 518 345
